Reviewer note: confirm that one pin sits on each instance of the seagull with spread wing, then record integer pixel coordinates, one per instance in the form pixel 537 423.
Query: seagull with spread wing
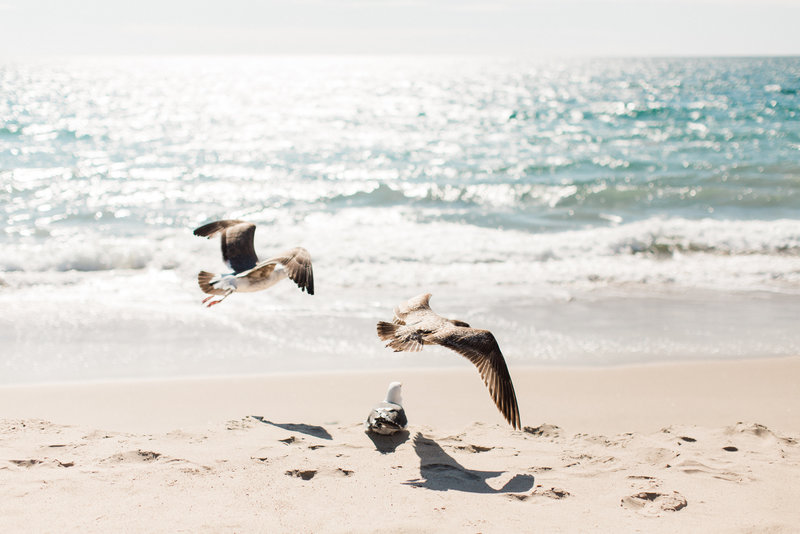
pixel 415 325
pixel 249 274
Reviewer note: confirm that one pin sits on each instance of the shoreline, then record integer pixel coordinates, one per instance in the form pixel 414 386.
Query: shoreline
pixel 745 389
pixel 520 366
pixel 113 339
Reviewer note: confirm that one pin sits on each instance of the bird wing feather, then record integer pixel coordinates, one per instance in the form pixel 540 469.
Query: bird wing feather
pixel 236 241
pixel 481 348
pixel 260 271
pixel 414 310
pixel 297 263
pixel 213 228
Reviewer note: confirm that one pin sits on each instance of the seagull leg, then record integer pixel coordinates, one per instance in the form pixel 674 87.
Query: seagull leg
pixel 212 302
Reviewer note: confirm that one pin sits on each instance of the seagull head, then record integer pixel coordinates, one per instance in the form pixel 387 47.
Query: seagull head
pixel 393 395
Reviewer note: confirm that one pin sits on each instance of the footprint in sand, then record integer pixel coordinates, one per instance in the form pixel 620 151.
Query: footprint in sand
pixel 308 474
pixel 544 430
pixel 299 441
pixel 44 462
pixel 473 448
pixel 552 493
pixel 137 456
pixel 589 465
pixel 651 481
pixel 26 463
pixel 654 503
pixel 539 468
pixel 240 424
pixel 305 474
pixel 199 470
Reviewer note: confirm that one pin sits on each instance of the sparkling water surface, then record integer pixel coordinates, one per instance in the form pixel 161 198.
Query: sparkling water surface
pixel 587 211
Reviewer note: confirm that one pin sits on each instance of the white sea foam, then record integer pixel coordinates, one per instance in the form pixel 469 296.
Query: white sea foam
pixel 517 192
pixel 645 291
pixel 388 247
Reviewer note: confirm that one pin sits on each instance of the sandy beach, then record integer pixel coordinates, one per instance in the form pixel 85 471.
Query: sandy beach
pixel 691 447
pixel 616 202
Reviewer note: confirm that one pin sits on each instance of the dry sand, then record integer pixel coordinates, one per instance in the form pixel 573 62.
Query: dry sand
pixel 707 447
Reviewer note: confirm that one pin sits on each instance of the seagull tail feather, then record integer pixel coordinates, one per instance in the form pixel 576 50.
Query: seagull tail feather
pixel 387 331
pixel 399 342
pixel 204 280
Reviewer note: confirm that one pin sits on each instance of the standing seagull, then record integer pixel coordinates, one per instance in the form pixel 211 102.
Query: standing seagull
pixel 388 416
pixel 415 325
pixel 248 273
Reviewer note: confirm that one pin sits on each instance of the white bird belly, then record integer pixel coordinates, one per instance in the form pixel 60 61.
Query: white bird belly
pixel 225 282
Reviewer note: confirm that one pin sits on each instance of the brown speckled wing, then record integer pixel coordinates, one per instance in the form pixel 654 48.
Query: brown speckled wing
pixel 481 348
pixel 297 263
pixel 413 310
pixel 261 271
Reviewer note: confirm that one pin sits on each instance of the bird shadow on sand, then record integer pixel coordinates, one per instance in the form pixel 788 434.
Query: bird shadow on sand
pixel 387 444
pixel 311 430
pixel 440 472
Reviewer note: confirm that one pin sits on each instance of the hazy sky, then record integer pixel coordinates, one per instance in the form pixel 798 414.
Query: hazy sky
pixel 532 27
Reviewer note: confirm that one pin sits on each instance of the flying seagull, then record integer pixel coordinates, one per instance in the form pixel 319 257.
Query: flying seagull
pixel 388 417
pixel 415 325
pixel 249 274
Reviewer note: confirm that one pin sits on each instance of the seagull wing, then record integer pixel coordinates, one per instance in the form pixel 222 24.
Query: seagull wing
pixel 414 310
pixel 262 270
pixel 297 263
pixel 213 228
pixel 481 348
pixel 236 238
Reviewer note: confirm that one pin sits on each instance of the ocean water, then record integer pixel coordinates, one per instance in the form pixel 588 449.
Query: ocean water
pixel 588 212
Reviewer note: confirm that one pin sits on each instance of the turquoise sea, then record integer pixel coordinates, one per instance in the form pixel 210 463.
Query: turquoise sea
pixel 588 211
